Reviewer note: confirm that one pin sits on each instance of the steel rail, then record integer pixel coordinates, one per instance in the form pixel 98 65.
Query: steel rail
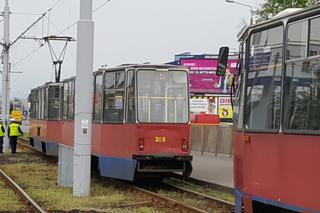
pixel 214 186
pixel 167 201
pixel 21 193
pixel 204 196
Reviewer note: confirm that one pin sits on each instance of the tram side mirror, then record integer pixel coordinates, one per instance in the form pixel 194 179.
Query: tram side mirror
pixel 222 61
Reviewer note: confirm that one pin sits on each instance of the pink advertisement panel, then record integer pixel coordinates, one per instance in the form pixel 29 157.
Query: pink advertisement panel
pixel 203 78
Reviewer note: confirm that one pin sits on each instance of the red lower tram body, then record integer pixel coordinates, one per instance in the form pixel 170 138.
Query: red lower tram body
pixel 123 151
pixel 277 171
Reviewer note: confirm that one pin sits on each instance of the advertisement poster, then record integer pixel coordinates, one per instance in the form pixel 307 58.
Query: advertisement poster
pixel 206 105
pixel 203 78
pixel 225 108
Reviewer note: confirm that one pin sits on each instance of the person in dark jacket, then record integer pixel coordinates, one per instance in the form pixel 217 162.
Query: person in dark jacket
pixel 2 131
pixel 13 133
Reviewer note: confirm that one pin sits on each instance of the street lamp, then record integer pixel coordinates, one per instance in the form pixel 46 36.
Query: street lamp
pixel 246 5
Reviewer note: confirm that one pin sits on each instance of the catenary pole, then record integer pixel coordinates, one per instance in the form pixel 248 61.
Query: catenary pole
pixel 83 101
pixel 6 74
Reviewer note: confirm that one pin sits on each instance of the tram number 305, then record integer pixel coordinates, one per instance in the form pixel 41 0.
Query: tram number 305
pixel 160 139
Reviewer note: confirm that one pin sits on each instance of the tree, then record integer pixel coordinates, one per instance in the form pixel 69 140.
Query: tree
pixel 273 7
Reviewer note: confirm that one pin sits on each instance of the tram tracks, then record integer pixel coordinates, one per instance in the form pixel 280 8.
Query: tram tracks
pixel 32 205
pixel 168 197
pixel 183 200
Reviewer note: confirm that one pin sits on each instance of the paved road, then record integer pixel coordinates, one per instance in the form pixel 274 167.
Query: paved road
pixel 209 168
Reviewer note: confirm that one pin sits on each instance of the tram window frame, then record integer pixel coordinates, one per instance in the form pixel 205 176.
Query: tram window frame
pixel 65 100
pixel 306 61
pixel 306 35
pixel 54 97
pixel 239 92
pixel 36 104
pixel 32 106
pixel 112 91
pixel 100 104
pixel 134 118
pixel 187 92
pixel 71 99
pixel 41 103
pixel 249 52
pixel 45 103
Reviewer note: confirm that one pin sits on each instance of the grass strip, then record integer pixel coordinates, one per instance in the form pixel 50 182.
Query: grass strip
pixel 39 180
pixel 9 201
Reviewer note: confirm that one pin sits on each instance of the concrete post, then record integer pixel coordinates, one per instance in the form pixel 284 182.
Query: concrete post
pixel 83 102
pixel 6 75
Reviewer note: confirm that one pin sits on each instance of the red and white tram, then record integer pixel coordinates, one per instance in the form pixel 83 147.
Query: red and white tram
pixel 140 120
pixel 277 106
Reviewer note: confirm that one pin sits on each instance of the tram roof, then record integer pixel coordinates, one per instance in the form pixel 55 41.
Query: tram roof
pixel 47 84
pixel 123 66
pixel 295 15
pixel 147 66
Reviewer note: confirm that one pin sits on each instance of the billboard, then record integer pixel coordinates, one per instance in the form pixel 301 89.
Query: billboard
pixel 203 78
pixel 225 108
pixel 206 105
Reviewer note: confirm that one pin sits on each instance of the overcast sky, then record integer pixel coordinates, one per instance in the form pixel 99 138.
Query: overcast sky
pixel 126 31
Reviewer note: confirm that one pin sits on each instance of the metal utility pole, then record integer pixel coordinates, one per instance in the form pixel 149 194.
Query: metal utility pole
pixel 6 74
pixel 246 5
pixel 83 101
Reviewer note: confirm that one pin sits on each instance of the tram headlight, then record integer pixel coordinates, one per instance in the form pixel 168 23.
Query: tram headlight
pixel 185 145
pixel 141 144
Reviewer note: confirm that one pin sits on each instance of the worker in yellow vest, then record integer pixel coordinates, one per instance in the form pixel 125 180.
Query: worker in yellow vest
pixel 1 137
pixel 13 133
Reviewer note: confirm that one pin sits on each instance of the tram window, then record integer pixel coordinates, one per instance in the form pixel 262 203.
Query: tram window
pixel 31 100
pixel 162 96
pixel 263 84
pixel 36 104
pixel 302 95
pixel 109 80
pixel 297 40
pixel 120 79
pixel 71 100
pixel 40 116
pixel 238 96
pixel 314 43
pixel 114 97
pixel 53 112
pixel 45 103
pixel 98 98
pixel 131 102
pixel 65 100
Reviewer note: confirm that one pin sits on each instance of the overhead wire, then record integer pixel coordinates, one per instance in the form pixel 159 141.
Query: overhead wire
pixel 25 57
pixel 53 24
pixel 29 28
pixel 93 11
pixel 67 28
pixel 103 4
pixel 27 14
pixel 35 22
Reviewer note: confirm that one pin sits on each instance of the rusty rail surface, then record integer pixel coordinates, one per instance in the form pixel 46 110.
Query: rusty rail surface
pixel 159 199
pixel 22 194
pixel 221 202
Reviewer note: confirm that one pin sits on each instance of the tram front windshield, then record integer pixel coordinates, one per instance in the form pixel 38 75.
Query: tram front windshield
pixel 162 96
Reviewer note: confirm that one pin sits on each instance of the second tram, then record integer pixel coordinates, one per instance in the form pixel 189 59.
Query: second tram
pixel 277 136
pixel 140 120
